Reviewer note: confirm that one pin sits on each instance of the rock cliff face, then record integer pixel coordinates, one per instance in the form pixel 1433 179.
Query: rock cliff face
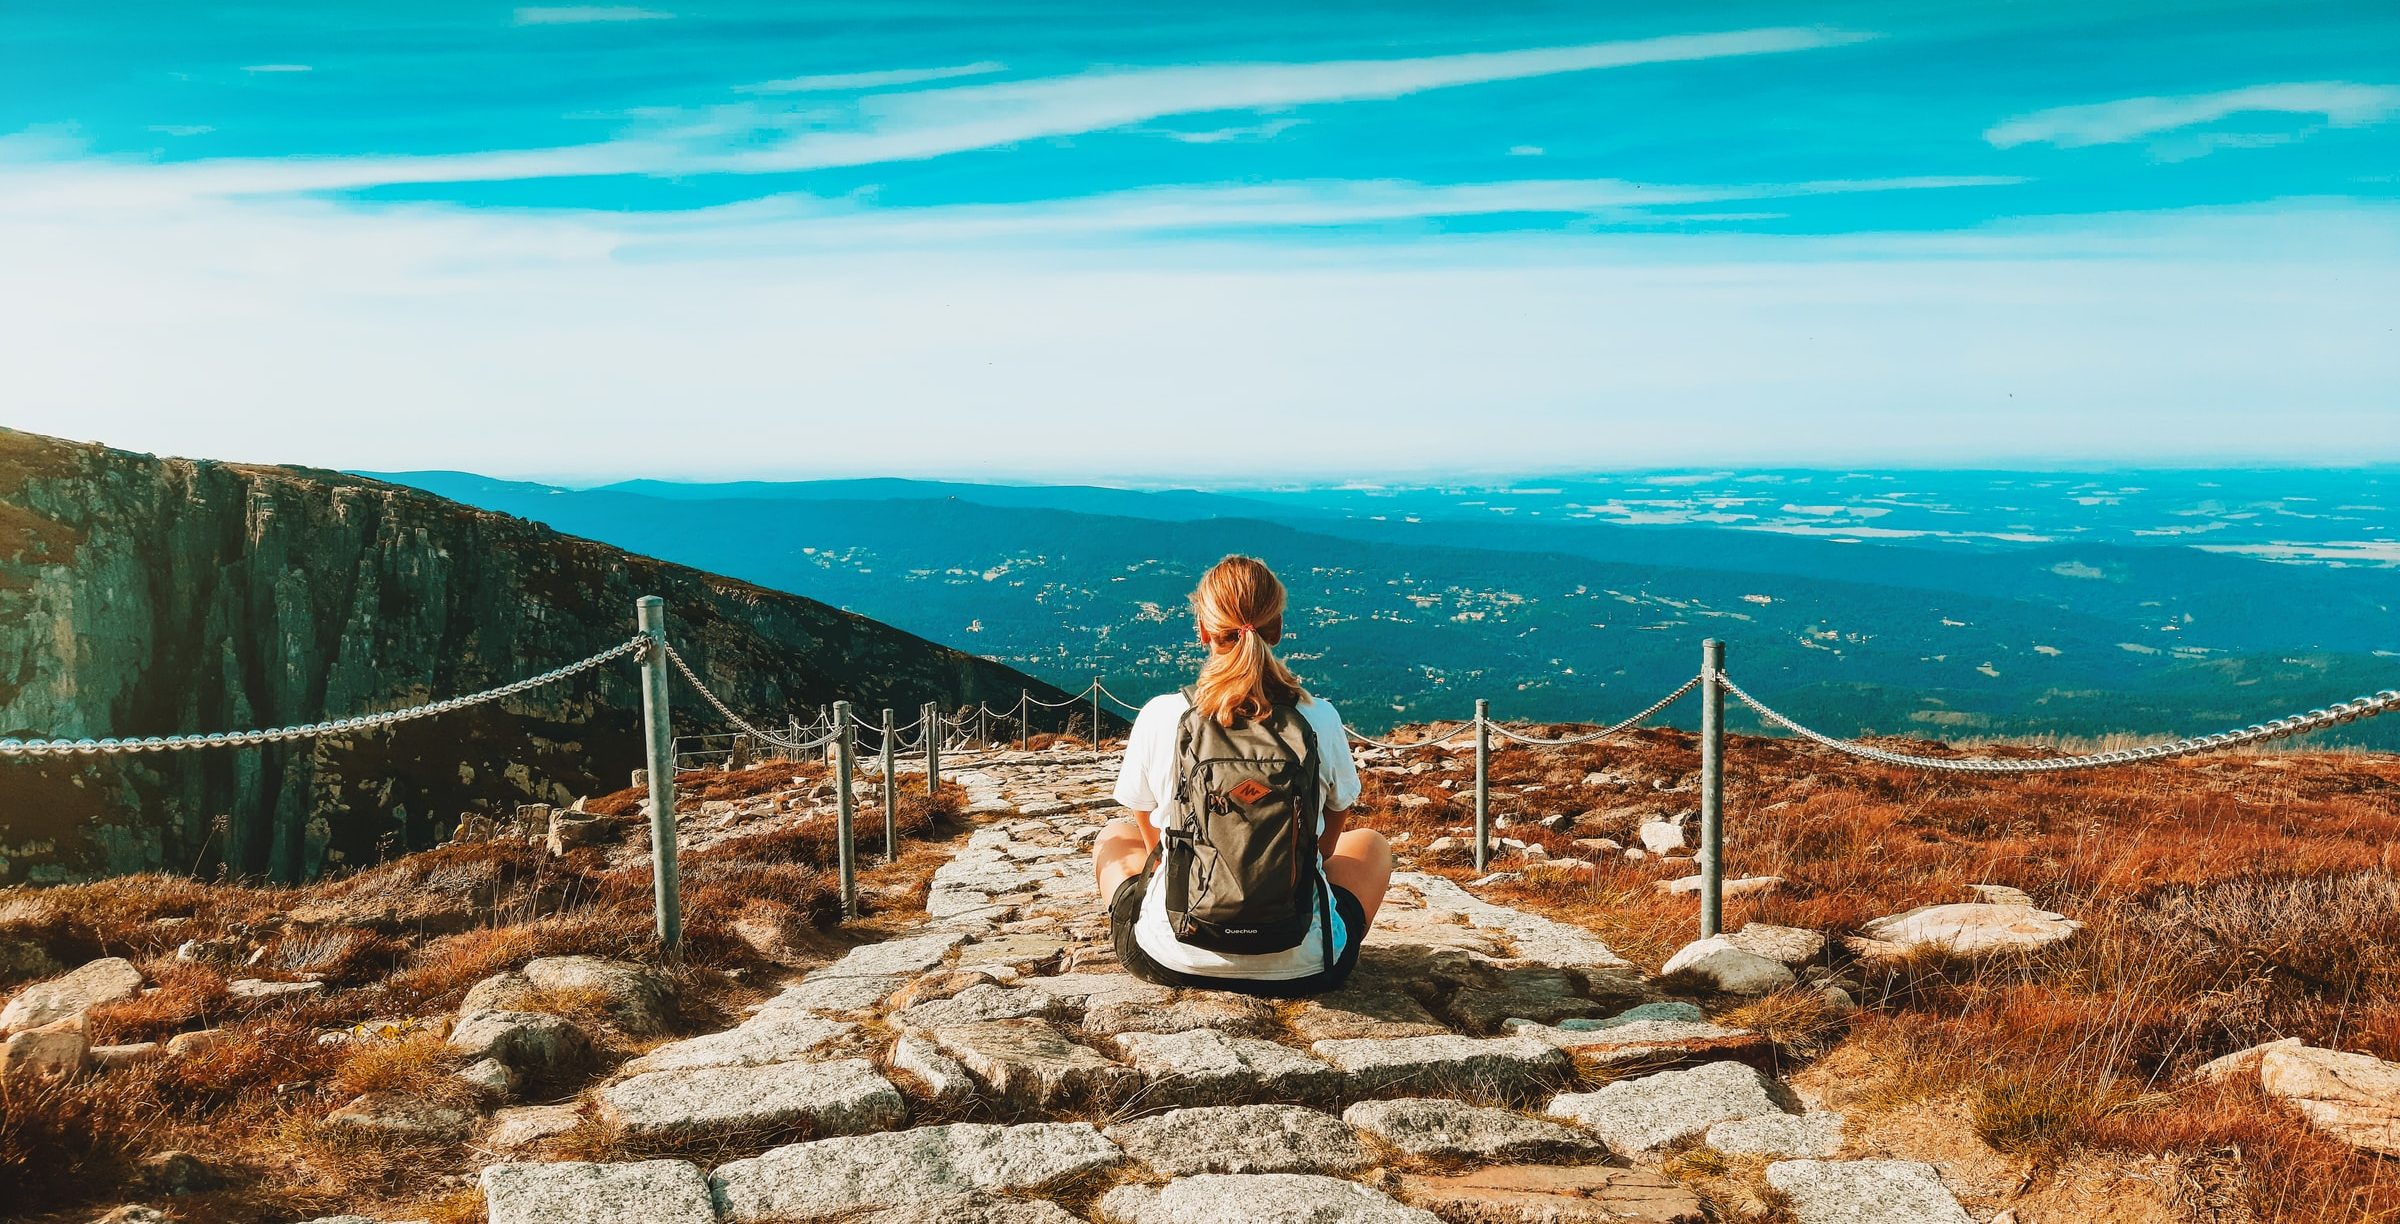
pixel 144 596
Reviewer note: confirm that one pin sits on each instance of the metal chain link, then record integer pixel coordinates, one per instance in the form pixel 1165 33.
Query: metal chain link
pixel 1128 706
pixel 1451 734
pixel 737 720
pixel 1604 733
pixel 337 726
pixel 2294 724
pixel 1060 705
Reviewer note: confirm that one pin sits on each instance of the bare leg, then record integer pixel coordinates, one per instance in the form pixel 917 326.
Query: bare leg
pixel 1361 863
pixel 1118 854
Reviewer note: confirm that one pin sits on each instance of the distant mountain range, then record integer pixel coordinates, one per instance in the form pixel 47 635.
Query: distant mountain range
pixel 2017 614
pixel 143 596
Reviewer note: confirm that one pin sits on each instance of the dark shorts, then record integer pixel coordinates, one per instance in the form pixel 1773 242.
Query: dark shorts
pixel 1126 906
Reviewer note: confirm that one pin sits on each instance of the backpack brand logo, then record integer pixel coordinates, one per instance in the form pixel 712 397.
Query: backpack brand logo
pixel 1250 792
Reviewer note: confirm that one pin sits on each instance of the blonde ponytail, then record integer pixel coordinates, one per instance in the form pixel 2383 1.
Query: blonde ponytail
pixel 1238 607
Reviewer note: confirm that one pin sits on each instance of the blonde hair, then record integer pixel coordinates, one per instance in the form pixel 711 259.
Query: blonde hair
pixel 1239 608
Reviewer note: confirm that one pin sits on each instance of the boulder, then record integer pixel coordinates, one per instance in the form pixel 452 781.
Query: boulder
pixel 106 980
pixel 1662 836
pixel 843 1097
pixel 198 1041
pixel 1865 1192
pixel 832 1178
pixel 399 1114
pixel 637 997
pixel 2353 1097
pixel 1555 1194
pixel 574 1192
pixel 543 1047
pixel 256 990
pixel 177 1173
pixel 1241 1139
pixel 55 1051
pixel 1973 928
pixel 491 1079
pixel 1638 1115
pixel 1790 946
pixel 2242 1063
pixel 1726 968
pixel 1442 1129
pixel 1247 1198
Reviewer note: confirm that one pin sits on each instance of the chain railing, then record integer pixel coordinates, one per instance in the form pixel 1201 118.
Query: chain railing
pixel 333 726
pixel 933 732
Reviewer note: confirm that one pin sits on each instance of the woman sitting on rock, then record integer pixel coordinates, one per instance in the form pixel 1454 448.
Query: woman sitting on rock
pixel 1235 871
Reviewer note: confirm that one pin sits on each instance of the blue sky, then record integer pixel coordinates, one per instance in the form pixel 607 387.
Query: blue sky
pixel 1076 240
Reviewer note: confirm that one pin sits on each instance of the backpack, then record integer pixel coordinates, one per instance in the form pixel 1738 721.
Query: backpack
pixel 1242 870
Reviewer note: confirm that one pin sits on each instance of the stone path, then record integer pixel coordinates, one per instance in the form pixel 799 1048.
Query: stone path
pixel 1484 1065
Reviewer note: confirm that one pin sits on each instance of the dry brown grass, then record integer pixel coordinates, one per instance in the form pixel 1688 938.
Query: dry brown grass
pixel 405 939
pixel 2227 901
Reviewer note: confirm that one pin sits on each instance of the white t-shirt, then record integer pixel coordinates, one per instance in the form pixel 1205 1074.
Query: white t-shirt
pixel 1146 783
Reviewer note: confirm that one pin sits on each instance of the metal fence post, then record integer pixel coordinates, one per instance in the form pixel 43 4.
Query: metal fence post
pixel 891 795
pixel 1095 717
pixel 1024 720
pixel 983 725
pixel 650 612
pixel 932 719
pixel 845 842
pixel 1483 785
pixel 1712 789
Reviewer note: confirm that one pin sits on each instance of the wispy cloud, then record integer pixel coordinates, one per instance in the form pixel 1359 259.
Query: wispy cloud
pixel 1256 131
pixel 751 138
pixel 586 14
pixel 842 82
pixel 277 68
pixel 2336 103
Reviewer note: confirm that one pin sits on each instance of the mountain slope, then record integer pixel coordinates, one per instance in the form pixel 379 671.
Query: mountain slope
pixel 144 596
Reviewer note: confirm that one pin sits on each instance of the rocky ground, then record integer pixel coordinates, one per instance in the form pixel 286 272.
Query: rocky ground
pixel 985 1060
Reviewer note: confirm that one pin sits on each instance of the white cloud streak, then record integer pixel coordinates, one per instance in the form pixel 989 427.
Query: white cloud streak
pixel 586 14
pixel 2336 103
pixel 843 82
pixel 919 124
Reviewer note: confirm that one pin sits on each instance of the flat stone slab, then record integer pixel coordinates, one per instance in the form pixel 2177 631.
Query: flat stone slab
pixel 2353 1097
pixel 1253 1198
pixel 1203 1067
pixel 927 1164
pixel 1534 992
pixel 1638 1115
pixel 1781 1136
pixel 832 996
pixel 528 1124
pixel 1645 1041
pixel 1866 1192
pixel 834 1098
pixel 1353 1013
pixel 1491 1067
pixel 1535 938
pixel 1440 1128
pixel 1556 1194
pixel 1232 1014
pixel 784 1037
pixel 573 1192
pixel 1972 928
pixel 1030 1062
pixel 974 1005
pixel 1241 1139
pixel 894 957
pixel 975 1209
